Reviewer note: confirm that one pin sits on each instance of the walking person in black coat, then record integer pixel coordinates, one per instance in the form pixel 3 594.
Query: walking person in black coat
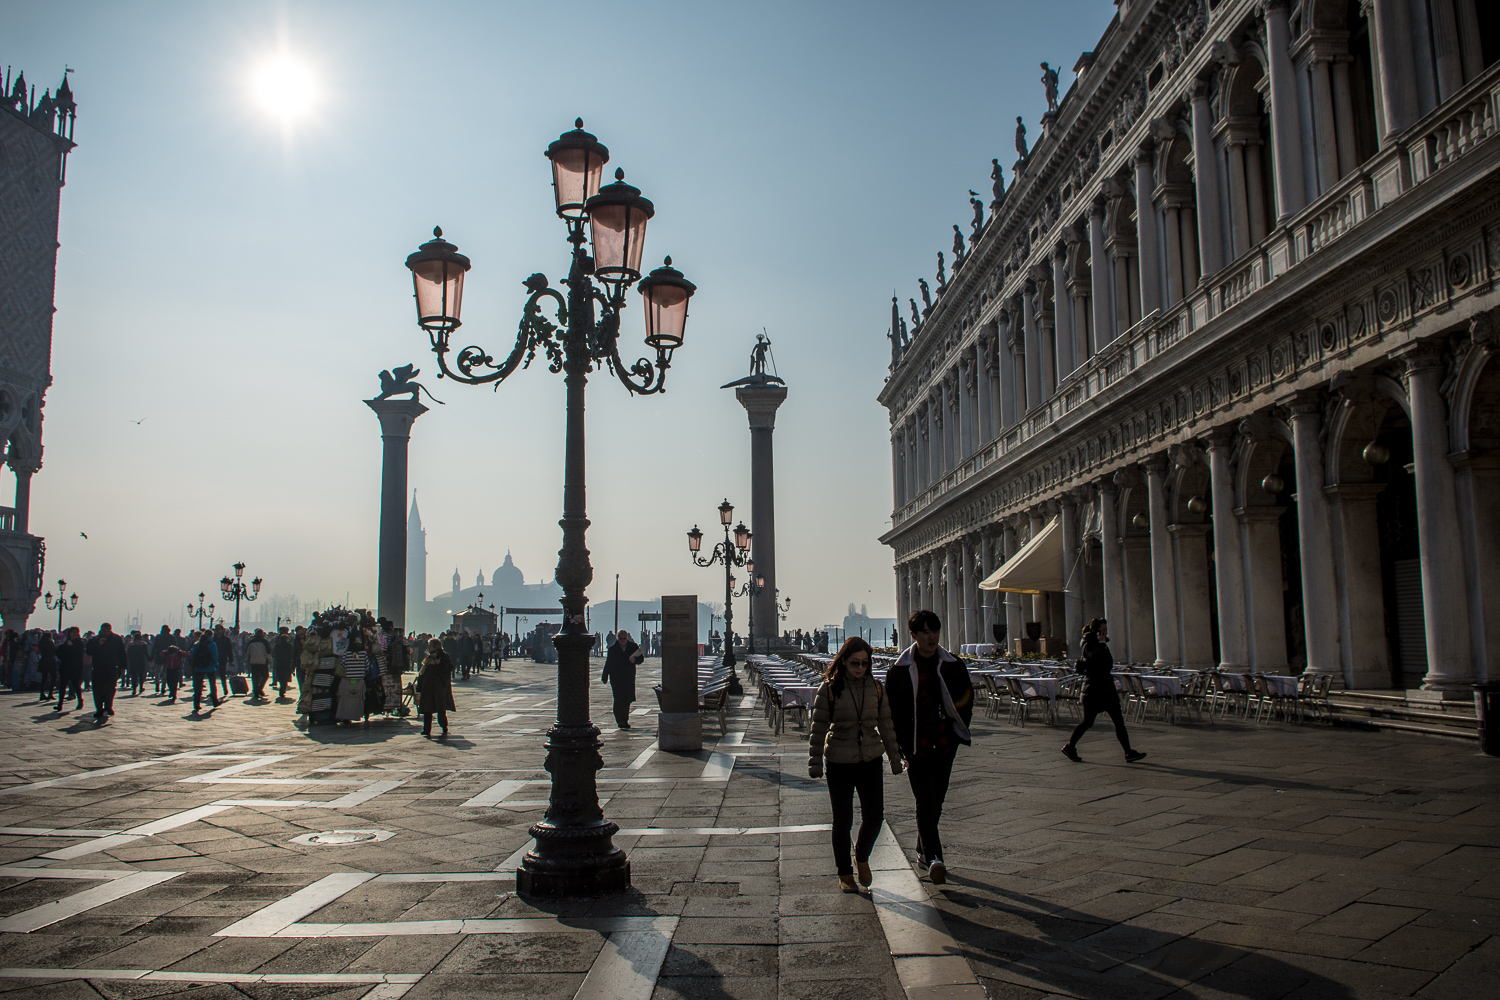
pixel 619 673
pixel 108 651
pixel 70 668
pixel 434 686
pixel 932 703
pixel 1099 694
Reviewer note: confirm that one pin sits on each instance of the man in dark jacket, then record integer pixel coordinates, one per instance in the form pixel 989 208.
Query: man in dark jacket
pixel 281 660
pixel 160 643
pixel 137 655
pixel 932 703
pixel 226 656
pixel 70 668
pixel 108 651
pixel 619 674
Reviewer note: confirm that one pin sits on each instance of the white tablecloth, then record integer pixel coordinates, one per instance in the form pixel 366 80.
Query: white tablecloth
pixel 1279 684
pixel 798 695
pixel 1162 684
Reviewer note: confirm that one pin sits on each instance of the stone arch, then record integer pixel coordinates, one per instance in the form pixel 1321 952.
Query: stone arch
pixel 1185 483
pixel 1475 403
pixel 1176 161
pixel 1354 426
pixel 1242 86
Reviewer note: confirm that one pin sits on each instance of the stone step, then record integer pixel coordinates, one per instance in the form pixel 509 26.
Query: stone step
pixel 1424 729
pixel 1459 715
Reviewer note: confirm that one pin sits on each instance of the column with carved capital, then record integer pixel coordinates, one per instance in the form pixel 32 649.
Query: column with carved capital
pixel 1062 312
pixel 1163 567
pixel 1450 667
pixel 983 365
pixel 1113 557
pixel 760 402
pixel 1145 220
pixel 1229 566
pixel 1319 595
pixel 1286 141
pixel 987 543
pixel 1014 626
pixel 1032 348
pixel 396 417
pixel 903 607
pixel 1206 182
pixel 1104 326
pixel 953 618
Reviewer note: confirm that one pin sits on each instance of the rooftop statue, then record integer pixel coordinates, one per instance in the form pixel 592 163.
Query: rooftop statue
pixel 916 317
pixel 942 275
pixel 958 246
pixel 403 382
pixel 1021 138
pixel 926 296
pixel 758 374
pixel 1049 84
pixel 998 188
pixel 978 223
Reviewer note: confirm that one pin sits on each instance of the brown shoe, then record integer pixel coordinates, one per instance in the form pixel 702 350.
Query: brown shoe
pixel 846 884
pixel 863 868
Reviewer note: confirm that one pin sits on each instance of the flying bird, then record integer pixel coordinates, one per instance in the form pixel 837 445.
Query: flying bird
pixel 85 537
pixel 138 422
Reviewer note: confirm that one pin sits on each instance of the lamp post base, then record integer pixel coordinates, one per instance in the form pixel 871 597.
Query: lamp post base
pixel 579 877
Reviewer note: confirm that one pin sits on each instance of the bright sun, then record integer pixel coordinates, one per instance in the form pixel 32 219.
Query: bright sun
pixel 285 88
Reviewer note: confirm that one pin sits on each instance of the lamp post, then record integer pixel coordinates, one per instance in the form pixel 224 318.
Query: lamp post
pixel 235 590
pixel 63 603
pixel 200 611
pixel 574 853
pixel 731 552
pixel 754 587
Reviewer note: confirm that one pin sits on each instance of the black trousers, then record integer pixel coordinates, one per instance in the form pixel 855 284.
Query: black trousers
pixel 105 684
pixel 843 781
pixel 198 680
pixel 929 774
pixel 1091 712
pixel 258 678
pixel 69 684
pixel 622 712
pixel 427 722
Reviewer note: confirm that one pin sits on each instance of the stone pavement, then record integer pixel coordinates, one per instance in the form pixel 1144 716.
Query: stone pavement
pixel 165 856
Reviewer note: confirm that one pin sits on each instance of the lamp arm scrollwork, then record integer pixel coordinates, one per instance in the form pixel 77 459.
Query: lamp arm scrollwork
pixel 534 332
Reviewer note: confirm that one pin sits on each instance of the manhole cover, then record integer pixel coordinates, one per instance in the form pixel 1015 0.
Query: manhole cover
pixel 342 838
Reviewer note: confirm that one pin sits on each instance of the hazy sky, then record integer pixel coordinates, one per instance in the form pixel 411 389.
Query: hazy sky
pixel 235 284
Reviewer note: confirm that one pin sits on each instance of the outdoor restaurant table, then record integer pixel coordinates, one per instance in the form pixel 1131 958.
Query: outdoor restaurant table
pixel 1281 684
pixel 1043 687
pixel 799 695
pixel 1163 684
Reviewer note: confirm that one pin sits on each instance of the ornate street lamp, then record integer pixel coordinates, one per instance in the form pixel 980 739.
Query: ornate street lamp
pixel 200 611
pixel 574 853
pixel 235 590
pixel 752 589
pixel 732 551
pixel 63 603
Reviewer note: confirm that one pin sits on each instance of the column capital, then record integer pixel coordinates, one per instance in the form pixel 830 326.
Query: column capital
pixel 1096 208
pixel 1248 514
pixel 760 402
pixel 396 415
pixel 1220 438
pixel 1155 465
pixel 1107 486
pixel 1306 402
pixel 1420 356
pixel 1143 154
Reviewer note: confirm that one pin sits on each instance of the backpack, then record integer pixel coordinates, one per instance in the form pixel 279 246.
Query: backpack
pixel 201 658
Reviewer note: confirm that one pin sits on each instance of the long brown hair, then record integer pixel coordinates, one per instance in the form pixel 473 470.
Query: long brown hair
pixel 834 675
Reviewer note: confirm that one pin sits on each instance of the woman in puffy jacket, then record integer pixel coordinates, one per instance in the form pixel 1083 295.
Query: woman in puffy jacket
pixel 851 728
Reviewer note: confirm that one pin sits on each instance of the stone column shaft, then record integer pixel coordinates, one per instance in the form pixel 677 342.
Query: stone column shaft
pixel 1163 568
pixel 1286 137
pixel 1062 314
pixel 1206 186
pixel 1239 200
pixel 1319 595
pixel 396 417
pixel 1229 567
pixel 1145 224
pixel 760 403
pixel 985 425
pixel 1113 557
pixel 1141 629
pixel 1099 278
pixel 1363 650
pixel 1014 625
pixel 1191 554
pixel 1394 64
pixel 1173 226
pixel 1033 348
pixel 986 570
pixel 1261 551
pixel 1326 154
pixel 1450 666
pixel 1072 572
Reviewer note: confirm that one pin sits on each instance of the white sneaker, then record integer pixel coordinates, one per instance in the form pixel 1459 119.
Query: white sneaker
pixel 938 872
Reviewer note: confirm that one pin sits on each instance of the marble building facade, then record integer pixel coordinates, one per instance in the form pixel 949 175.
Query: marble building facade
pixel 1233 333
pixel 35 137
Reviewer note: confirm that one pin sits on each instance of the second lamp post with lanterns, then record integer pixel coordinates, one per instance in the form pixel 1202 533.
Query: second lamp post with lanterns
pixel 733 551
pixel 235 590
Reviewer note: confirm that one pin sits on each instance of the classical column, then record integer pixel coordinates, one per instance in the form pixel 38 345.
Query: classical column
pixel 1173 225
pixel 985 425
pixel 23 472
pixel 1062 313
pixel 1072 575
pixel 1206 178
pixel 898 477
pixel 1239 197
pixel 1325 146
pixel 1032 348
pixel 1191 554
pixel 1104 330
pixel 1319 596
pixel 1123 285
pixel 1113 557
pixel 396 417
pixel 966 388
pixel 1446 48
pixel 1036 608
pixel 1145 234
pixel 948 424
pixel 953 622
pixel 1343 103
pixel 972 580
pixel 1229 567
pixel 996 380
pixel 1014 626
pixel 1450 667
pixel 760 402
pixel 934 440
pixel 1163 569
pixel 987 542
pixel 1390 30
pixel 1007 359
pixel 1255 191
pixel 903 603
pixel 1363 649
pixel 1286 143
pixel 1265 604
pixel 1191 262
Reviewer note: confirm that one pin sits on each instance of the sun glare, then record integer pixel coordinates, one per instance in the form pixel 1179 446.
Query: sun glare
pixel 285 88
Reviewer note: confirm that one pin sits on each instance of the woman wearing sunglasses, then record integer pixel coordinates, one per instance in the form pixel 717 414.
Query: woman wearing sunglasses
pixel 851 729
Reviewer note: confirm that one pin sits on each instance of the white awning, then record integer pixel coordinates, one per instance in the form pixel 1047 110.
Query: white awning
pixel 1036 568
